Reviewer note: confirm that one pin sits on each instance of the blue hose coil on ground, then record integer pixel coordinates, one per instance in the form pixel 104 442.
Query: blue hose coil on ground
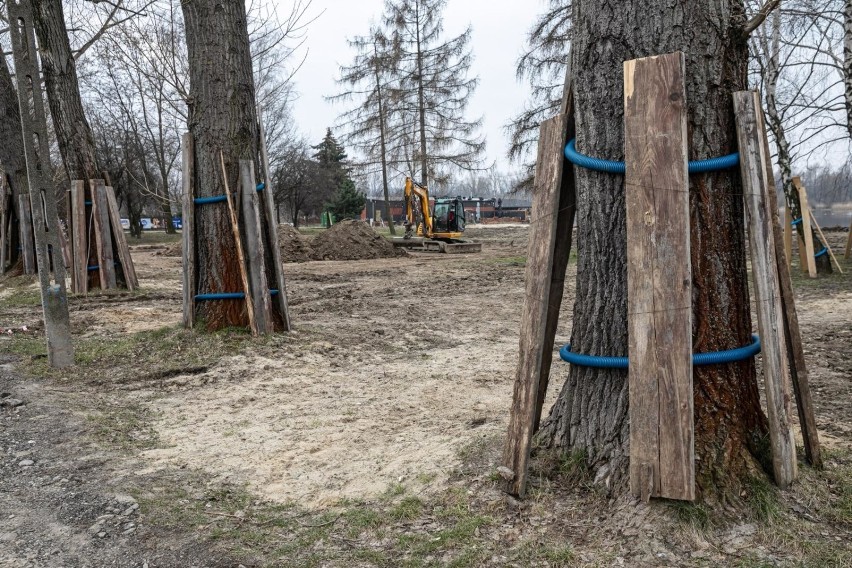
pixel 226 296
pixel 220 198
pixel 698 359
pixel 613 167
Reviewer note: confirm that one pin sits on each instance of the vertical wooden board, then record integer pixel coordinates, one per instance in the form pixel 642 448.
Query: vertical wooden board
pixel 188 231
pixel 545 209
pixel 103 239
pixel 788 236
pixel 795 353
pixel 254 249
pixel 803 259
pixel 77 215
pixel 848 252
pixel 120 239
pixel 659 315
pixel 4 198
pixel 815 223
pixel 272 224
pixel 25 223
pixel 756 188
pixel 806 227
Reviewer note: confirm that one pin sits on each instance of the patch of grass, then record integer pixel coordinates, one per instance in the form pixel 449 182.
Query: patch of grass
pixel 556 555
pixel 694 514
pixel 407 509
pixel 762 499
pixel 507 261
pixel 125 428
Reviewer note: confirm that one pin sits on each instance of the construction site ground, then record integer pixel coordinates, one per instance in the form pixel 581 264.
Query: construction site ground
pixel 369 436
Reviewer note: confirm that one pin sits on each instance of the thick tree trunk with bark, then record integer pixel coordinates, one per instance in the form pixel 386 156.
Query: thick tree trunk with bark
pixel 847 62
pixel 11 155
pixel 222 118
pixel 590 416
pixel 73 133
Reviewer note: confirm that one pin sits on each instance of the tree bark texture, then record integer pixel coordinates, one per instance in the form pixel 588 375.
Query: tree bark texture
pixel 590 416
pixel 11 155
pixel 847 62
pixel 222 118
pixel 73 133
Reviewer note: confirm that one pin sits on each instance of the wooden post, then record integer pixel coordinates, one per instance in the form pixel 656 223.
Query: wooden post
pixel 103 238
pixel 4 199
pixel 254 249
pixel 788 236
pixel 659 320
pixel 25 222
pixel 120 239
pixel 272 225
pixel 77 215
pixel 792 334
pixel 188 253
pixel 806 227
pixel 241 259
pixel 45 220
pixel 848 252
pixel 770 312
pixel 825 241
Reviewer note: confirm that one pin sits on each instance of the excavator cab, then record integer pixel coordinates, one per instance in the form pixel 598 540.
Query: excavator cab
pixel 449 216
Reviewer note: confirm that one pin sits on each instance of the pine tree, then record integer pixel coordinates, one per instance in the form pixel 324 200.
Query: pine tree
pixel 433 86
pixel 331 157
pixel 370 123
pixel 348 202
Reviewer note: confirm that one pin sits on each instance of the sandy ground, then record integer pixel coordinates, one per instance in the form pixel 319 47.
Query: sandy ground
pixel 396 366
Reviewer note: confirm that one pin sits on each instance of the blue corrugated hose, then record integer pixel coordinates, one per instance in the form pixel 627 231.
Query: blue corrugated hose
pixel 698 359
pixel 219 198
pixel 613 167
pixel 226 296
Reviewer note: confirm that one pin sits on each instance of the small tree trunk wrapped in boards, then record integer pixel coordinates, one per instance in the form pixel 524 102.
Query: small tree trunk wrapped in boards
pixel 222 119
pixel 590 416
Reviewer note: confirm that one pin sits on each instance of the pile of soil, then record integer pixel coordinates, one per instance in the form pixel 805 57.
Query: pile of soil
pixel 294 247
pixel 174 249
pixel 352 240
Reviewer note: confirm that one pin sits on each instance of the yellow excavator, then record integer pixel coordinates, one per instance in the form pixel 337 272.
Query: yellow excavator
pixel 439 230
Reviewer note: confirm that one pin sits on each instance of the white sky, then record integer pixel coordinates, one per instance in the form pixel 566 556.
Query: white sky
pixel 499 32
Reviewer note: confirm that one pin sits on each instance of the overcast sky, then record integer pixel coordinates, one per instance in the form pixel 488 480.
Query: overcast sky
pixel 499 31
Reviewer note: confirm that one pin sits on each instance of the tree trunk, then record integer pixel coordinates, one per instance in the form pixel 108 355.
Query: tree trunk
pixel 421 107
pixel 222 118
pixel 590 417
pixel 847 62
pixel 73 134
pixel 11 156
pixel 383 146
pixel 776 125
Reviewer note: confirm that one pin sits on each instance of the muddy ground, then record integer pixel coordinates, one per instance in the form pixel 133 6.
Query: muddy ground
pixel 367 437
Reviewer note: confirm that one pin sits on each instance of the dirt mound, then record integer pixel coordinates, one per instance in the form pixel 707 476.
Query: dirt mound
pixel 174 249
pixel 294 246
pixel 352 240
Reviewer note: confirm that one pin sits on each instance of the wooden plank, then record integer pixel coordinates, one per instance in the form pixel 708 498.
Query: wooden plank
pixel 792 334
pixel 757 185
pixel 4 240
pixel 120 239
pixel 241 259
pixel 272 225
pixel 546 194
pixel 806 227
pixel 659 320
pixel 825 241
pixel 788 236
pixel 25 223
pixel 77 215
pixel 103 238
pixel 848 252
pixel 188 231
pixel 254 249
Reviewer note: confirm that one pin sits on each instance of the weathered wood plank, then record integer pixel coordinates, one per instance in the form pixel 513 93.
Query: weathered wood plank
pixel 241 259
pixel 120 240
pixel 25 224
pixel 764 261
pixel 660 315
pixel 792 334
pixel 805 209
pixel 545 208
pixel 254 249
pixel 825 241
pixel 188 231
pixel 103 238
pixel 272 225
pixel 848 252
pixel 788 236
pixel 77 216
pixel 4 240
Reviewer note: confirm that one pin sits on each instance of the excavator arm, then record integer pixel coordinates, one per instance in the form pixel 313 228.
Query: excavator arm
pixel 417 199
